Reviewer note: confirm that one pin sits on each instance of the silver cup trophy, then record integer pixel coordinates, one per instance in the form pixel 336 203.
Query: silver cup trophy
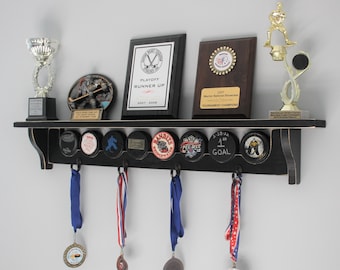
pixel 42 107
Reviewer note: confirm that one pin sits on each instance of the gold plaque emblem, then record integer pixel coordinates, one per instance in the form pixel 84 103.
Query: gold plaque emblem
pixel 222 60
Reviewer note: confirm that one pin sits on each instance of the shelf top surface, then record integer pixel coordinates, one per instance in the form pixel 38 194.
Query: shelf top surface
pixel 175 123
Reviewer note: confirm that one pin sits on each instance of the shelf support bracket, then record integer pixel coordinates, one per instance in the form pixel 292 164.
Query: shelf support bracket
pixel 39 140
pixel 291 147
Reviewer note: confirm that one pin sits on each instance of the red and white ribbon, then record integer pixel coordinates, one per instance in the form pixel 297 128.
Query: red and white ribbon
pixel 121 203
pixel 232 233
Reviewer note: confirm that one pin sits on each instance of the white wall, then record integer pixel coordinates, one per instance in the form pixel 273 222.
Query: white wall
pixel 283 227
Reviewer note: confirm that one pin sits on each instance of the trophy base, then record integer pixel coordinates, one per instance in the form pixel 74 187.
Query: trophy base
pixel 288 115
pixel 41 108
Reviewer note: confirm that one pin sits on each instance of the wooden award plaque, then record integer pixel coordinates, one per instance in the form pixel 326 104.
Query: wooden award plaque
pixel 224 78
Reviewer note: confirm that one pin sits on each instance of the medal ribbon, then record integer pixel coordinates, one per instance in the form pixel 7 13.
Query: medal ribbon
pixel 121 203
pixel 176 229
pixel 232 233
pixel 76 217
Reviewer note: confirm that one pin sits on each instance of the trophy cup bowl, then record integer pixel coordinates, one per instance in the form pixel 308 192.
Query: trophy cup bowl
pixel 42 107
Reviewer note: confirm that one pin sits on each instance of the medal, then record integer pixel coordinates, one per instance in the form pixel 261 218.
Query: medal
pixel 121 263
pixel 75 254
pixel 173 264
pixel 232 233
pixel 121 203
pixel 176 227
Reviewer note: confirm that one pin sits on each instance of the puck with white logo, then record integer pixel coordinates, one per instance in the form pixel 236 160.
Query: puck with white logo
pixel 193 145
pixel 113 144
pixel 69 143
pixel 90 143
pixel 222 146
pixel 255 147
pixel 163 145
pixel 138 144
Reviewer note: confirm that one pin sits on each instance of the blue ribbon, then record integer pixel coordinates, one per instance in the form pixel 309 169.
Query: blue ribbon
pixel 76 217
pixel 176 223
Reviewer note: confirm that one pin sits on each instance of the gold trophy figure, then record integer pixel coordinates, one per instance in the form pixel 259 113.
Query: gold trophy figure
pixel 291 91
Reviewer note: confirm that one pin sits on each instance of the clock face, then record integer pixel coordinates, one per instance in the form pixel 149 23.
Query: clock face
pixel 151 61
pixel 93 91
pixel 74 255
pixel 255 147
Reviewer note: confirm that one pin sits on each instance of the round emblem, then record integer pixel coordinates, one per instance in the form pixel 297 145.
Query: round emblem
pixel 74 255
pixel 69 143
pixel 222 60
pixel 151 61
pixel 193 145
pixel 138 144
pixel 113 144
pixel 163 145
pixel 90 143
pixel 93 91
pixel 255 147
pixel 222 146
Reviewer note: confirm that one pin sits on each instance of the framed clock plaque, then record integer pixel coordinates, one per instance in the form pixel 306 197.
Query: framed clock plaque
pixel 224 78
pixel 154 77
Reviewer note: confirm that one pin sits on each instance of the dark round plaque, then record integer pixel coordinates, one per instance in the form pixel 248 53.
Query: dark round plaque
pixel 163 145
pixel 113 144
pixel 138 144
pixel 90 143
pixel 69 143
pixel 193 145
pixel 223 146
pixel 300 61
pixel 255 147
pixel 92 91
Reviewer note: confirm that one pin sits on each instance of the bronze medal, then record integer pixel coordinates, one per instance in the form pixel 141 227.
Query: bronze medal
pixel 173 264
pixel 121 263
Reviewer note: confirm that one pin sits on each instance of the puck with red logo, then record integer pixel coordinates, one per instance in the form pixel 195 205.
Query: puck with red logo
pixel 223 146
pixel 163 145
pixel 90 143
pixel 193 145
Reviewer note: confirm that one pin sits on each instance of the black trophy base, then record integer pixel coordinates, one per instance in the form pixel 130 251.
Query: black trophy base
pixel 41 108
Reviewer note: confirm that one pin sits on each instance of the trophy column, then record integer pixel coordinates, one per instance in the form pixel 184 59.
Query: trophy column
pixel 42 107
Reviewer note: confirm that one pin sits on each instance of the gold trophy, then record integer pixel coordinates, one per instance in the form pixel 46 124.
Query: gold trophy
pixel 290 91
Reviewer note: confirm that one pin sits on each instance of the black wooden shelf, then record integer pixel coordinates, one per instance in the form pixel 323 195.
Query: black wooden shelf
pixel 284 157
pixel 191 123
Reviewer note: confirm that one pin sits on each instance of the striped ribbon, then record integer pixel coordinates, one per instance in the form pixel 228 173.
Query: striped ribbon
pixel 121 203
pixel 232 233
